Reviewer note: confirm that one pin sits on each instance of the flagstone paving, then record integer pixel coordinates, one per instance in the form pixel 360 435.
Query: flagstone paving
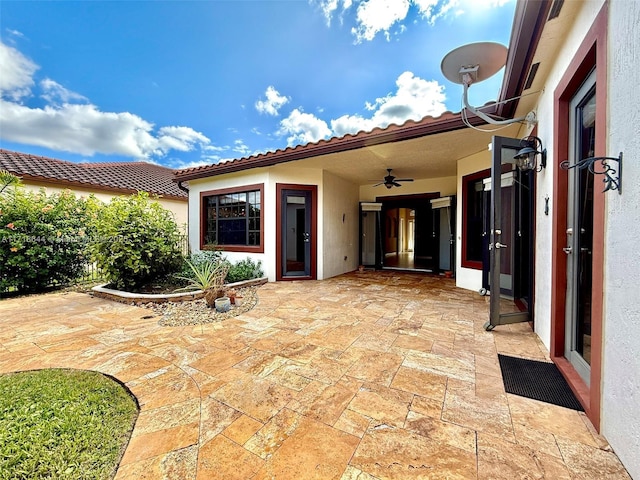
pixel 374 375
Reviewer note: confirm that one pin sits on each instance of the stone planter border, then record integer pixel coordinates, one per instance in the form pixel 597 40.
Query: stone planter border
pixel 128 297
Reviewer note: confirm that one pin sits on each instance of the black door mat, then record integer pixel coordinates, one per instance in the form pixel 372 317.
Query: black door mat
pixel 538 380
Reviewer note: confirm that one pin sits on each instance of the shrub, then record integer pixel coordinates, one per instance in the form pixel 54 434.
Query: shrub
pixel 198 259
pixel 244 270
pixel 207 276
pixel 42 238
pixel 136 241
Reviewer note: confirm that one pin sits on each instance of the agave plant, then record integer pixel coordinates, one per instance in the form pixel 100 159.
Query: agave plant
pixel 208 277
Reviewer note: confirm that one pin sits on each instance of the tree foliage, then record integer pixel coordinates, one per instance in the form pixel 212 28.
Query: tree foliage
pixel 42 238
pixel 136 241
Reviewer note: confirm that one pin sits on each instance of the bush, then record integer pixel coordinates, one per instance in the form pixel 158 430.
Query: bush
pixel 136 241
pixel 244 270
pixel 198 260
pixel 42 238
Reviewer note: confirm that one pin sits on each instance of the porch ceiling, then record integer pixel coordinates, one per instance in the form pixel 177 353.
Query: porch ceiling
pixel 431 156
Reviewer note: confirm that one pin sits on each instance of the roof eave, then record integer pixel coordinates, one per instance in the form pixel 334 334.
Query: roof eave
pixel 529 19
pixel 55 182
pixel 445 123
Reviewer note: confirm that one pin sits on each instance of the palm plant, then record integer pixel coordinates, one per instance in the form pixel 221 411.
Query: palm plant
pixel 208 277
pixel 7 179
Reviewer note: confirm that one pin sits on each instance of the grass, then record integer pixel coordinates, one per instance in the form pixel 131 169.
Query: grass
pixel 63 424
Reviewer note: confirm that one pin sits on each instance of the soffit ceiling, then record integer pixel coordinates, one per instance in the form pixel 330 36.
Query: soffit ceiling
pixel 431 156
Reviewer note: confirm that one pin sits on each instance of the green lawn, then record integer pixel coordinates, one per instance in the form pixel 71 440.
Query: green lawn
pixel 66 424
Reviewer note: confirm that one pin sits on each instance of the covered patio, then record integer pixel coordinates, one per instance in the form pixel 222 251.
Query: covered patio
pixel 373 375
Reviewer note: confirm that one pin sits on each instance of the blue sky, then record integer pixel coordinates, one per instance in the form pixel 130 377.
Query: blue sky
pixel 184 83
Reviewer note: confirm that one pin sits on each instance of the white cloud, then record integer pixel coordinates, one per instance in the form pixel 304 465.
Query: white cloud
pixel 273 103
pixel 329 7
pixel 78 127
pixel 214 148
pixel 303 128
pixel 240 147
pixel 16 80
pixel 183 139
pixel 204 161
pixel 55 93
pixel 379 16
pixel 375 16
pixel 414 99
pixel 15 33
pixel 86 130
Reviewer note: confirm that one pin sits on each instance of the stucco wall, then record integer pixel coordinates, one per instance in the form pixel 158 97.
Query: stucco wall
pixel 544 179
pixel 445 185
pixel 236 180
pixel 177 207
pixel 269 177
pixel 468 278
pixel 341 229
pixel 621 364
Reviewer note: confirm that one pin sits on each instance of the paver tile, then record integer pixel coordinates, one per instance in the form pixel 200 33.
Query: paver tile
pixel 381 375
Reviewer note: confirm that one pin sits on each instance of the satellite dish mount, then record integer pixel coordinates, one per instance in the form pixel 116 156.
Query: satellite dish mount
pixel 474 63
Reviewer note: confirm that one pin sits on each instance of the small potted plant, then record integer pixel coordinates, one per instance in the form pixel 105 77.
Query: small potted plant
pixel 232 294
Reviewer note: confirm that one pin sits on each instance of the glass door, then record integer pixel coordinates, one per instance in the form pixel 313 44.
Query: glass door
pixel 580 231
pixel 510 236
pixel 296 233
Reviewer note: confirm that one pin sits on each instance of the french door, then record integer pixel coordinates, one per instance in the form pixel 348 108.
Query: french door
pixel 296 232
pixel 579 234
pixel 510 236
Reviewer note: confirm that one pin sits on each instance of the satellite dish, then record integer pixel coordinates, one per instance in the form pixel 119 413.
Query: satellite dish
pixel 479 60
pixel 474 63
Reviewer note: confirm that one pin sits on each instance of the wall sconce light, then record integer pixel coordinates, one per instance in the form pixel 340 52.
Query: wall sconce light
pixel 612 176
pixel 525 159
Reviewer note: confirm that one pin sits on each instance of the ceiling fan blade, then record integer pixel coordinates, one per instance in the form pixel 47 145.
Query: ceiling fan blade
pixel 378 184
pixel 404 180
pixel 396 184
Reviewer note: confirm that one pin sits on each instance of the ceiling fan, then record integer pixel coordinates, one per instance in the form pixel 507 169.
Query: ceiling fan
pixel 391 181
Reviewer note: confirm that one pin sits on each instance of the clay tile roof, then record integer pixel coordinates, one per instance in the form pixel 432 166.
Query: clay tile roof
pixel 120 177
pixel 410 129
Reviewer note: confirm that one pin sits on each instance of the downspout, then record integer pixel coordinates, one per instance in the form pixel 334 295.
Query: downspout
pixel 182 187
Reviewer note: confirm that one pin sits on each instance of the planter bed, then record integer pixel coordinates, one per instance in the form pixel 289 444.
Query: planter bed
pixel 141 298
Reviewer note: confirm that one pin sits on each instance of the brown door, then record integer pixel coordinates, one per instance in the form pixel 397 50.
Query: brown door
pixel 296 232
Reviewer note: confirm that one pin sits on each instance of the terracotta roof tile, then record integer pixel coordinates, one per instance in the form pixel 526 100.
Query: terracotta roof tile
pixel 123 177
pixel 410 129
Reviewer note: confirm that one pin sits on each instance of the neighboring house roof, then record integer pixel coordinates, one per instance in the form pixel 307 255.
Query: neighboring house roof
pixel 116 177
pixel 529 20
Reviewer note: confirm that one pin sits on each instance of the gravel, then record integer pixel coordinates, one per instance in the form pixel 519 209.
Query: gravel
pixel 196 312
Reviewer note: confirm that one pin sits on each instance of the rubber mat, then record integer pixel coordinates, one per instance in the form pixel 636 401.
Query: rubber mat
pixel 537 380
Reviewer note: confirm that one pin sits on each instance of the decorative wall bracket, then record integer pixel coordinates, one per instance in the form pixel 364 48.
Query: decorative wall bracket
pixel 600 166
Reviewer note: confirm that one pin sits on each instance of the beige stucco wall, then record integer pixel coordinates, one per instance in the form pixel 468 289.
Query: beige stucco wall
pixel 544 179
pixel 621 362
pixel 337 197
pixel 341 225
pixel 258 176
pixel 177 207
pixel 620 423
pixel 444 185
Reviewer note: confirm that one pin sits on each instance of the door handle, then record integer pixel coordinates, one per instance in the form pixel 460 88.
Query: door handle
pixel 500 245
pixel 567 250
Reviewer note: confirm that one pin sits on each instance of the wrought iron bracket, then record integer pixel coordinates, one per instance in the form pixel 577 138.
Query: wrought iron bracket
pixel 600 166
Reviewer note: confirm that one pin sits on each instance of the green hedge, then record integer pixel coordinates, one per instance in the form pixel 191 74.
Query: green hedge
pixel 137 240
pixel 42 238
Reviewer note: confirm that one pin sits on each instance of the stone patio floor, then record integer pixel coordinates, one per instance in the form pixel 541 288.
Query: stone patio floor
pixel 374 375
